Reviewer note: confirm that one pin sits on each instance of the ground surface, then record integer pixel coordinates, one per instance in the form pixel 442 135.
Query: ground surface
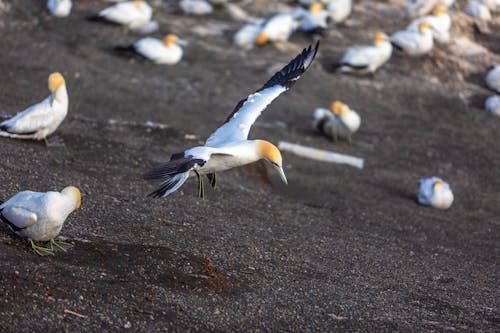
pixel 338 249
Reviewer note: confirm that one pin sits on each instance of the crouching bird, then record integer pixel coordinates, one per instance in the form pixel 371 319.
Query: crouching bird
pixel 39 216
pixel 228 146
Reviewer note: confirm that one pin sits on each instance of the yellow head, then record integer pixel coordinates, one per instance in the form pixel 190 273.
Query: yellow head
pixel 270 152
pixel 423 26
pixel 169 39
pixel 439 10
pixel 74 193
pixel 379 38
pixel 55 80
pixel 437 184
pixel 339 109
pixel 261 39
pixel 138 3
pixel 316 7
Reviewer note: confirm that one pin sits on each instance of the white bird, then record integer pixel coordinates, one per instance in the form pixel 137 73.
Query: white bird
pixel 245 37
pixel 167 51
pixel 196 7
pixel 493 78
pixel 39 216
pixel 492 105
pixel 337 122
pixel 418 8
pixel 493 5
pixel 279 27
pixel 478 10
pixel 132 14
pixel 414 42
pixel 367 59
pixel 435 192
pixel 440 22
pixel 228 146
pixel 316 19
pixel 339 10
pixel 42 119
pixel 59 8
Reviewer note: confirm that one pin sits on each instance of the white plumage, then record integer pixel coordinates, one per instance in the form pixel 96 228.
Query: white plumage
pixel 59 8
pixel 367 58
pixel 166 52
pixel 337 122
pixel 417 8
pixel 42 119
pixel 493 78
pixel 132 14
pixel 492 105
pixel 414 42
pixel 478 10
pixel 245 37
pixel 196 7
pixel 39 216
pixel 339 10
pixel 435 192
pixel 280 27
pixel 440 22
pixel 316 19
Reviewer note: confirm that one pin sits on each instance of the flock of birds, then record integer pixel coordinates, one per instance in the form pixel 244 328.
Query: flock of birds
pixel 40 216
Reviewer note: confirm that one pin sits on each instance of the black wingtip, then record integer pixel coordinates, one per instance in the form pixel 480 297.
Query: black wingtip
pixel 396 46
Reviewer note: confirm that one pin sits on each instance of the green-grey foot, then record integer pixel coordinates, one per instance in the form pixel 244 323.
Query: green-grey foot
pixel 57 243
pixel 212 179
pixel 40 250
pixel 201 189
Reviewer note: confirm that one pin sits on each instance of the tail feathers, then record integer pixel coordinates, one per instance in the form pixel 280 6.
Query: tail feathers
pixel 397 46
pixel 170 185
pixel 101 19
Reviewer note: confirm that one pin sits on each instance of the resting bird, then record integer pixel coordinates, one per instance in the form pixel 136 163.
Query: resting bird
pixel 315 20
pixel 367 59
pixel 435 192
pixel 493 78
pixel 478 10
pixel 40 120
pixel 59 8
pixel 492 105
pixel 196 7
pixel 39 216
pixel 166 52
pixel 279 27
pixel 245 37
pixel 134 14
pixel 228 146
pixel 414 42
pixel 440 22
pixel 339 10
pixel 337 122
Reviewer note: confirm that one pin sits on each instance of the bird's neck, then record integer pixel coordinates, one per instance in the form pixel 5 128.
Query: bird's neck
pixel 60 95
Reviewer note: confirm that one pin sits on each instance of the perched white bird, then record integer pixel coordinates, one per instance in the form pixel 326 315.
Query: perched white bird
pixel 59 8
pixel 367 59
pixel 493 78
pixel 339 10
pixel 435 192
pixel 478 10
pixel 167 51
pixel 245 37
pixel 418 8
pixel 196 7
pixel 492 105
pixel 132 14
pixel 337 122
pixel 493 5
pixel 279 27
pixel 414 42
pixel 40 216
pixel 228 146
pixel 42 119
pixel 316 19
pixel 440 22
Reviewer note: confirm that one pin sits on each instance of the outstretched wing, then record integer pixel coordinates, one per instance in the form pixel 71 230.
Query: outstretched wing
pixel 238 124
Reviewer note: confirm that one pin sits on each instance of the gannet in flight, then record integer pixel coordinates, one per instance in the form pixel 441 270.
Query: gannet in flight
pixel 134 14
pixel 493 78
pixel 440 22
pixel 414 42
pixel 167 51
pixel 59 8
pixel 367 59
pixel 337 122
pixel 435 192
pixel 228 146
pixel 42 119
pixel 39 216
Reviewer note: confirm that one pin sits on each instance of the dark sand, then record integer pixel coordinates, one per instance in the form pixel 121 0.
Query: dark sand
pixel 338 249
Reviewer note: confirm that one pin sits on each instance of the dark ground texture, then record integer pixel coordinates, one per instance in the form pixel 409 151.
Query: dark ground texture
pixel 338 249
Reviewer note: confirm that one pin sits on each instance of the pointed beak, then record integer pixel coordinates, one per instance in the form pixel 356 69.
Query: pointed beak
pixel 282 173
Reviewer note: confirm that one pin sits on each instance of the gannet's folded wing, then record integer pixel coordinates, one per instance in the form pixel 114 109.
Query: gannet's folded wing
pixel 18 217
pixel 30 120
pixel 238 124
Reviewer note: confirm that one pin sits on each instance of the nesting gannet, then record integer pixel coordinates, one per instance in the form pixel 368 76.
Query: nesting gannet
pixel 493 78
pixel 316 19
pixel 59 8
pixel 337 122
pixel 196 7
pixel 492 105
pixel 39 216
pixel 245 37
pixel 42 119
pixel 414 42
pixel 435 192
pixel 478 10
pixel 279 27
pixel 228 146
pixel 418 8
pixel 132 14
pixel 339 10
pixel 440 22
pixel 367 59
pixel 167 51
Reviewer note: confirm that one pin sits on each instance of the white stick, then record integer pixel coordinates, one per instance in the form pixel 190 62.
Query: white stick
pixel 321 155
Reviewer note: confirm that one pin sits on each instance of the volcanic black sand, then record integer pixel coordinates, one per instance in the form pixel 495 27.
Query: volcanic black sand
pixel 338 249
